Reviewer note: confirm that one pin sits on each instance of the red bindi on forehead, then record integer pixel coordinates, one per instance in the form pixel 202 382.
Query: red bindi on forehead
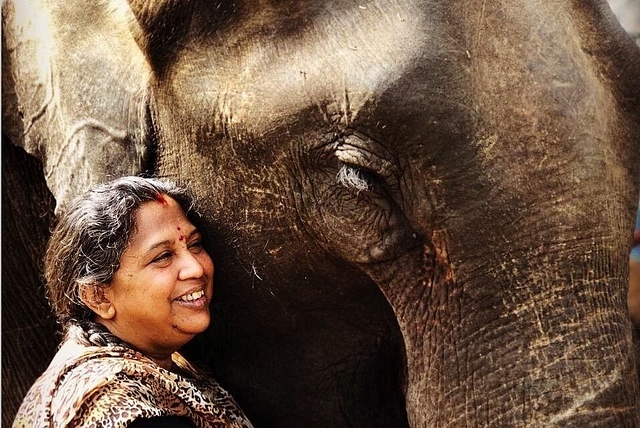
pixel 161 200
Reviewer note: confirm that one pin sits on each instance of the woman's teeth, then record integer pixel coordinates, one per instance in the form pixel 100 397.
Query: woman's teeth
pixel 193 296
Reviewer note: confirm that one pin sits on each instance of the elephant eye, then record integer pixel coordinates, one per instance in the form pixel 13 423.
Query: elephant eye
pixel 357 178
pixel 354 192
pixel 363 168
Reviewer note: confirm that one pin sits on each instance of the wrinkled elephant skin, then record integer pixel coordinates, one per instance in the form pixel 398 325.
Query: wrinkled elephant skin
pixel 73 91
pixel 420 211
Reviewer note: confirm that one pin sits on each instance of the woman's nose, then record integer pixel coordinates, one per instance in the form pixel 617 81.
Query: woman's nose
pixel 190 267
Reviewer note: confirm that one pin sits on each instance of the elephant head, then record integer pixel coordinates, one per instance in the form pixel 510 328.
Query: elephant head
pixel 420 211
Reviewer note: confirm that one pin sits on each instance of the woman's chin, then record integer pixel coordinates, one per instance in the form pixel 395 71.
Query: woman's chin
pixel 194 325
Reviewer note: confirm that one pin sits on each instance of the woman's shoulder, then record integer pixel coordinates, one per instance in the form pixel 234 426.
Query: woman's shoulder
pixel 75 371
pixel 117 383
pixel 162 422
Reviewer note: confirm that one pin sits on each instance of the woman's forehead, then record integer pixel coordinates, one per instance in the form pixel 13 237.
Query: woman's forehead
pixel 160 217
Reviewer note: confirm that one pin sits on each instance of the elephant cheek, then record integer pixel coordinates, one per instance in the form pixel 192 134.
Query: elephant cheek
pixel 421 285
pixel 361 232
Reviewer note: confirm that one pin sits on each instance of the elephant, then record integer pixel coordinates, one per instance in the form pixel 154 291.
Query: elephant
pixel 420 211
pixel 628 12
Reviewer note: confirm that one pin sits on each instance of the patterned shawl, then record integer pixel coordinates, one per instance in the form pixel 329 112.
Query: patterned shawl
pixel 110 386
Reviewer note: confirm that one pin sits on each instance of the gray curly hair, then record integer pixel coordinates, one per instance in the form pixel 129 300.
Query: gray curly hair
pixel 92 233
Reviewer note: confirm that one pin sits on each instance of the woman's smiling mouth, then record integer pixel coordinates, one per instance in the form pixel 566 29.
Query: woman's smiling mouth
pixel 195 295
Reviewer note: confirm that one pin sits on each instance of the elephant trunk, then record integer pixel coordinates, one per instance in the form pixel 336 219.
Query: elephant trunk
pixel 514 313
pixel 547 344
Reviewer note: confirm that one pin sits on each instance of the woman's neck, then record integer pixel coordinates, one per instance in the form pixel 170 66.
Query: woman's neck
pixel 97 334
pixel 164 361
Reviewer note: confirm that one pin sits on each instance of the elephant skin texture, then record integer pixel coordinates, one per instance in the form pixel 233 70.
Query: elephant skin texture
pixel 420 212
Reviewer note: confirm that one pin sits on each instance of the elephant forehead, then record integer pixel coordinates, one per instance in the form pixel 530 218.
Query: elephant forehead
pixel 339 62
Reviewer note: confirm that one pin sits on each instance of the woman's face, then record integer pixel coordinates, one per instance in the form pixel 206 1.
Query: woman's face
pixel 161 292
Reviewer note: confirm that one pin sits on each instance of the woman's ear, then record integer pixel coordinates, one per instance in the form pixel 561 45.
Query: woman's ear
pixel 96 299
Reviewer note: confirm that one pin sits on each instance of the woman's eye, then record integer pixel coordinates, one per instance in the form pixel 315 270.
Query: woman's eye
pixel 164 256
pixel 195 246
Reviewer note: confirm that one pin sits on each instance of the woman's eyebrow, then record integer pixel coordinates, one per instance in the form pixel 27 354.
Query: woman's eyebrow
pixel 164 243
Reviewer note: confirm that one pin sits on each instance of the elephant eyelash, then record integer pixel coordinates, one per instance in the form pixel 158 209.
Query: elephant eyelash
pixel 356 178
pixel 363 163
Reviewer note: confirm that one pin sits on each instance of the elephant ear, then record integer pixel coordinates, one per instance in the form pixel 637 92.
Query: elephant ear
pixel 160 25
pixel 74 90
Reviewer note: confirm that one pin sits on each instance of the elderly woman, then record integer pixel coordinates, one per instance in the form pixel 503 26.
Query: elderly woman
pixel 130 282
